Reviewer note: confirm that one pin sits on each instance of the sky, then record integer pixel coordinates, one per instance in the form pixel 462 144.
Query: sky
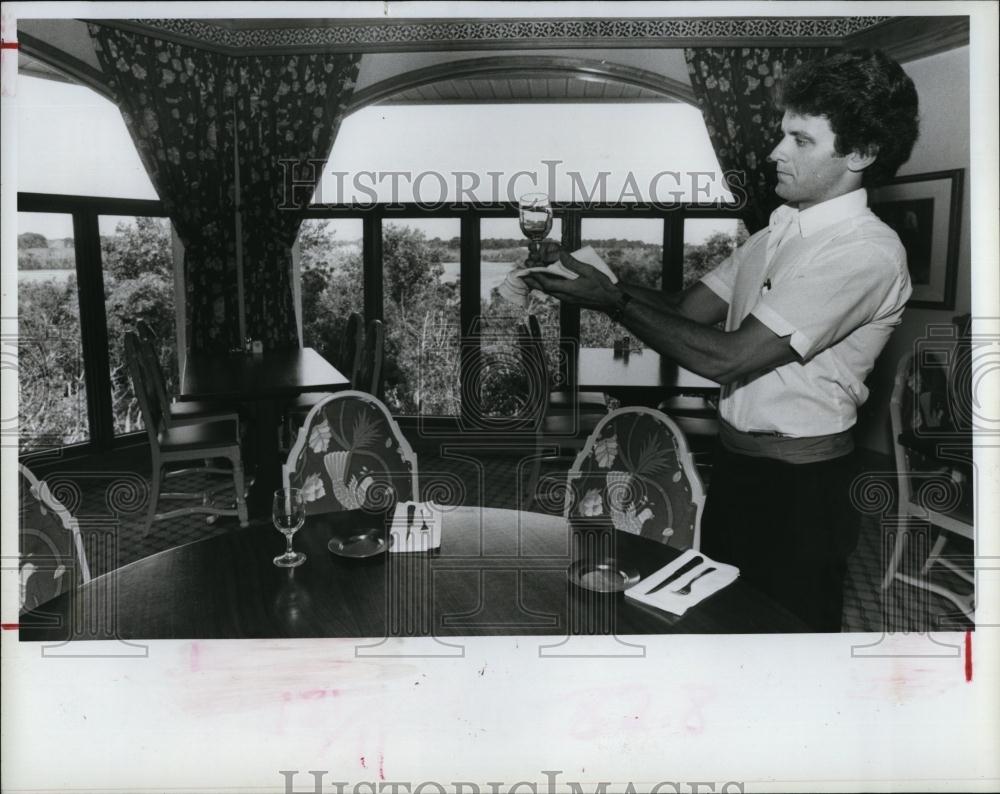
pixel 72 140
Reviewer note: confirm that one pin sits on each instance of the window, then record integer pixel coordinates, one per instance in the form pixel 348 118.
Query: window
pixel 330 282
pixel 51 378
pixel 418 173
pixel 137 263
pixel 89 264
pixel 504 248
pixel 707 241
pixel 633 249
pixel 73 141
pixel 421 283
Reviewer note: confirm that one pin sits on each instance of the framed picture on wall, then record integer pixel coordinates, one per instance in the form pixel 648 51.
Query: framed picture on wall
pixel 926 212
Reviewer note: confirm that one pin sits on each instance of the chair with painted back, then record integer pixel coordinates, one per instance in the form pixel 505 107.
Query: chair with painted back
pixel 636 470
pixel 169 444
pixel 933 491
pixel 51 557
pixel 350 455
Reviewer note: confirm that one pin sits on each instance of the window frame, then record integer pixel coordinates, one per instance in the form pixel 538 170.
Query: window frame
pixel 470 216
pixel 85 212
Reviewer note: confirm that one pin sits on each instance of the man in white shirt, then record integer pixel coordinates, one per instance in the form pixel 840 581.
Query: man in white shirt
pixel 808 304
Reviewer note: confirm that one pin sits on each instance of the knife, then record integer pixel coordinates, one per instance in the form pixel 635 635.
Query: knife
pixel 410 510
pixel 689 565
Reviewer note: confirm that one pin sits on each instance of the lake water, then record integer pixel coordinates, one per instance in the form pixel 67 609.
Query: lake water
pixel 491 274
pixel 52 274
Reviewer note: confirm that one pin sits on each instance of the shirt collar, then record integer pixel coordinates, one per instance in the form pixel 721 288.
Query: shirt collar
pixel 821 215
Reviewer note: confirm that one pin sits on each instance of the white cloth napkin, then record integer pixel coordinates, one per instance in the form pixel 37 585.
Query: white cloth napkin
pixel 514 290
pixel 668 599
pixel 419 540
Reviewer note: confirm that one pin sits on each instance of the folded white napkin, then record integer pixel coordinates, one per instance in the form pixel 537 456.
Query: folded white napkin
pixel 711 577
pixel 514 290
pixel 420 539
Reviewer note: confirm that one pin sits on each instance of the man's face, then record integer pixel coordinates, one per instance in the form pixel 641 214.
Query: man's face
pixel 809 168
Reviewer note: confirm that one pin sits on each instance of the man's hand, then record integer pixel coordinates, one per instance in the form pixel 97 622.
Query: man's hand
pixel 592 289
pixel 545 253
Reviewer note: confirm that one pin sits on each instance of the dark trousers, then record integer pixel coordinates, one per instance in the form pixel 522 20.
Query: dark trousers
pixel 788 527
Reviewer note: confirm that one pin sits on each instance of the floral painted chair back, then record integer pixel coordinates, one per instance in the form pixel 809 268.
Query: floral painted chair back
pixel 636 471
pixel 52 559
pixel 350 455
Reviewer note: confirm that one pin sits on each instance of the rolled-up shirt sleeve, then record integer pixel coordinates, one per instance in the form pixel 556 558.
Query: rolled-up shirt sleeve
pixel 722 279
pixel 863 283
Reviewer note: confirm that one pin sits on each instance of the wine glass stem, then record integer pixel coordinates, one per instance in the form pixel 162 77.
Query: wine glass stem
pixel 288 546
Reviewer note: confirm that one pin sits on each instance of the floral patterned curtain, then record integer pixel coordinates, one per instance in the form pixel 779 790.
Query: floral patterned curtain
pixel 179 104
pixel 174 105
pixel 737 90
pixel 289 108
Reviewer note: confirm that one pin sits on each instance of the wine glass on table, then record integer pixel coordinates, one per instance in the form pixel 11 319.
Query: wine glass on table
pixel 535 214
pixel 288 512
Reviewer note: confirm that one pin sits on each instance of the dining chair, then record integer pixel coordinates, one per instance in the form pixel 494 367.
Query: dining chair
pixel 175 412
pixel 565 430
pixel 372 359
pixel 697 417
pixel 351 455
pixel 348 362
pixel 930 489
pixel 637 470
pixel 566 399
pixel 51 557
pixel 169 444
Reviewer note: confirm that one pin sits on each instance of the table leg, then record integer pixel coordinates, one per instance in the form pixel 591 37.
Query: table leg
pixel 267 459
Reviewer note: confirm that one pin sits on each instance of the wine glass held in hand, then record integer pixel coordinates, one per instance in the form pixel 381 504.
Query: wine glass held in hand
pixel 288 512
pixel 535 214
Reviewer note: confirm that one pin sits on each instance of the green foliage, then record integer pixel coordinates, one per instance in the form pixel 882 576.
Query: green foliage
pixel 138 284
pixel 50 379
pixel 46 257
pixel 31 240
pixel 135 250
pixel 700 259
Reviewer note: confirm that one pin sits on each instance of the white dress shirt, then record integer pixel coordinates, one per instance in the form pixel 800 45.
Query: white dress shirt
pixel 836 283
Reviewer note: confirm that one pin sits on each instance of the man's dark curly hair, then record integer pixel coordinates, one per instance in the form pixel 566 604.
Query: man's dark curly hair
pixel 869 100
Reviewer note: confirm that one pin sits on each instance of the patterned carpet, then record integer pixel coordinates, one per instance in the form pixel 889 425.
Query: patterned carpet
pixel 111 502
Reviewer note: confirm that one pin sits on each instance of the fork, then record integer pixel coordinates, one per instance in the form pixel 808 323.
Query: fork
pixel 686 589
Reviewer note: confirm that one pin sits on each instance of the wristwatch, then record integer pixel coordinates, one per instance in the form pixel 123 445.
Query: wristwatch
pixel 618 312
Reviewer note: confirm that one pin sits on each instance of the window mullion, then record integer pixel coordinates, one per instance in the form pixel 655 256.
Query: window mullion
pixel 93 328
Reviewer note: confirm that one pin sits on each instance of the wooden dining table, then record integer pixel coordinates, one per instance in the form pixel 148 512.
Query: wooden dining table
pixel 641 376
pixel 267 380
pixel 497 572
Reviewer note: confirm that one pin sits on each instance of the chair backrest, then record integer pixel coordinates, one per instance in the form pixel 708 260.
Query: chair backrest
pixel 370 372
pixel 350 455
pixel 536 372
pixel 637 470
pixel 154 371
pixel 901 405
pixel 149 404
pixel 352 348
pixel 49 543
pixel 534 327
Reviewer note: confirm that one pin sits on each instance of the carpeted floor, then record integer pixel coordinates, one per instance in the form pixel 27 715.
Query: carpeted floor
pixel 110 496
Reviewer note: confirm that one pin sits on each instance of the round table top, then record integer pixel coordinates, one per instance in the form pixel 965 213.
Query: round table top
pixel 497 572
